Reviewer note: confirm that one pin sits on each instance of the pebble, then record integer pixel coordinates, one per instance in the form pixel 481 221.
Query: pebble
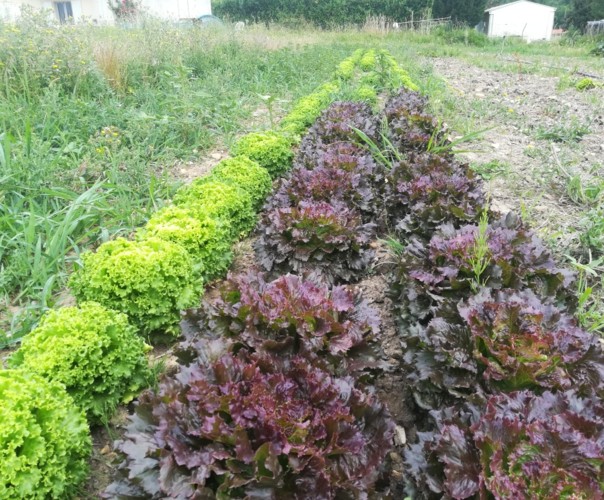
pixel 401 436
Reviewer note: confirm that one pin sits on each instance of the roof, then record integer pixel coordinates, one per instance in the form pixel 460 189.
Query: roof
pixel 519 1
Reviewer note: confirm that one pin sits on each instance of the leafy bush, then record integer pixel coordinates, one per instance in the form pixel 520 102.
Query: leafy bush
pixel 271 150
pixel 455 263
pixel 92 351
pixel 425 191
pixel 585 84
pixel 151 281
pixel 500 341
pixel 598 50
pixel 328 240
pixel 218 200
pixel 410 127
pixel 326 185
pixel 235 427
pixel 521 445
pixel 44 439
pixel 207 240
pixel 333 327
pixel 246 174
pixel 309 108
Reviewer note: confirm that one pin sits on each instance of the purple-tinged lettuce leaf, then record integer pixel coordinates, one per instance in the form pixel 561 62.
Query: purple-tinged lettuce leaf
pixel 444 463
pixel 253 427
pixel 334 328
pixel 518 445
pixel 442 270
pixel 500 341
pixel 425 191
pixel 410 127
pixel 521 343
pixel 326 240
pixel 338 123
pixel 329 185
pixel 548 446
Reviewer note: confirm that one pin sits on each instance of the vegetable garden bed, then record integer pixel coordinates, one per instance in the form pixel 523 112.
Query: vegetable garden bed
pixel 391 336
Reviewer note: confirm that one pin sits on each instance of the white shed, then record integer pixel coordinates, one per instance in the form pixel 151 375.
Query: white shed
pixel 529 20
pixel 98 11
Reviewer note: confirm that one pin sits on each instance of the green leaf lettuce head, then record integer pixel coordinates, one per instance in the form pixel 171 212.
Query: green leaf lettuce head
pixel 151 281
pixel 207 240
pixel 272 150
pixel 44 439
pixel 219 200
pixel 246 174
pixel 93 351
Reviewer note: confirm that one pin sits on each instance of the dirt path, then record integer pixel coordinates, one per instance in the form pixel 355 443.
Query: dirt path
pixel 543 136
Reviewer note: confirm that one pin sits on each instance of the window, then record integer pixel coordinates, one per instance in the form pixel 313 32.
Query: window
pixel 64 11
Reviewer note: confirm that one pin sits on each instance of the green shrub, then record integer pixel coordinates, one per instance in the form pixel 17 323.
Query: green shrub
pixel 44 439
pixel 309 108
pixel 150 280
pixel 272 150
pixel 221 201
pixel 207 240
pixel 94 352
pixel 247 174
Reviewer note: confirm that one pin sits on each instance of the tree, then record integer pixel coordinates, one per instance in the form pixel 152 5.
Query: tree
pixel 462 11
pixel 582 11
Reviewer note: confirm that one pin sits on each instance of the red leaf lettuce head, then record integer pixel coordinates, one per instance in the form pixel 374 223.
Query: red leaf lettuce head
pixel 410 126
pixel 335 327
pixel 324 184
pixel 253 427
pixel 520 445
pixel 548 446
pixel 338 124
pixel 427 275
pixel 500 341
pixel 328 240
pixel 425 191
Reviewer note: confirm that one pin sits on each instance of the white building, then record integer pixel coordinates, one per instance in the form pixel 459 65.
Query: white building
pixel 529 20
pixel 98 10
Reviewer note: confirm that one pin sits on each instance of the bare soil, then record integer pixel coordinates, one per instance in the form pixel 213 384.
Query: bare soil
pixel 522 108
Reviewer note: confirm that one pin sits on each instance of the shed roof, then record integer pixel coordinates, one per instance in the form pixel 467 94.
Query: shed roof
pixel 519 1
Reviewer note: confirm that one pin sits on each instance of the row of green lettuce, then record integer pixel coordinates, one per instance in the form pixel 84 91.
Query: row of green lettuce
pixel 80 363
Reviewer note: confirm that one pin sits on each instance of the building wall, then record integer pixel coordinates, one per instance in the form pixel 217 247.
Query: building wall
pixel 11 9
pixel 98 11
pixel 526 19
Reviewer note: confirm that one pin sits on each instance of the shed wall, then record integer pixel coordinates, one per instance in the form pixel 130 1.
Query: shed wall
pixel 528 20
